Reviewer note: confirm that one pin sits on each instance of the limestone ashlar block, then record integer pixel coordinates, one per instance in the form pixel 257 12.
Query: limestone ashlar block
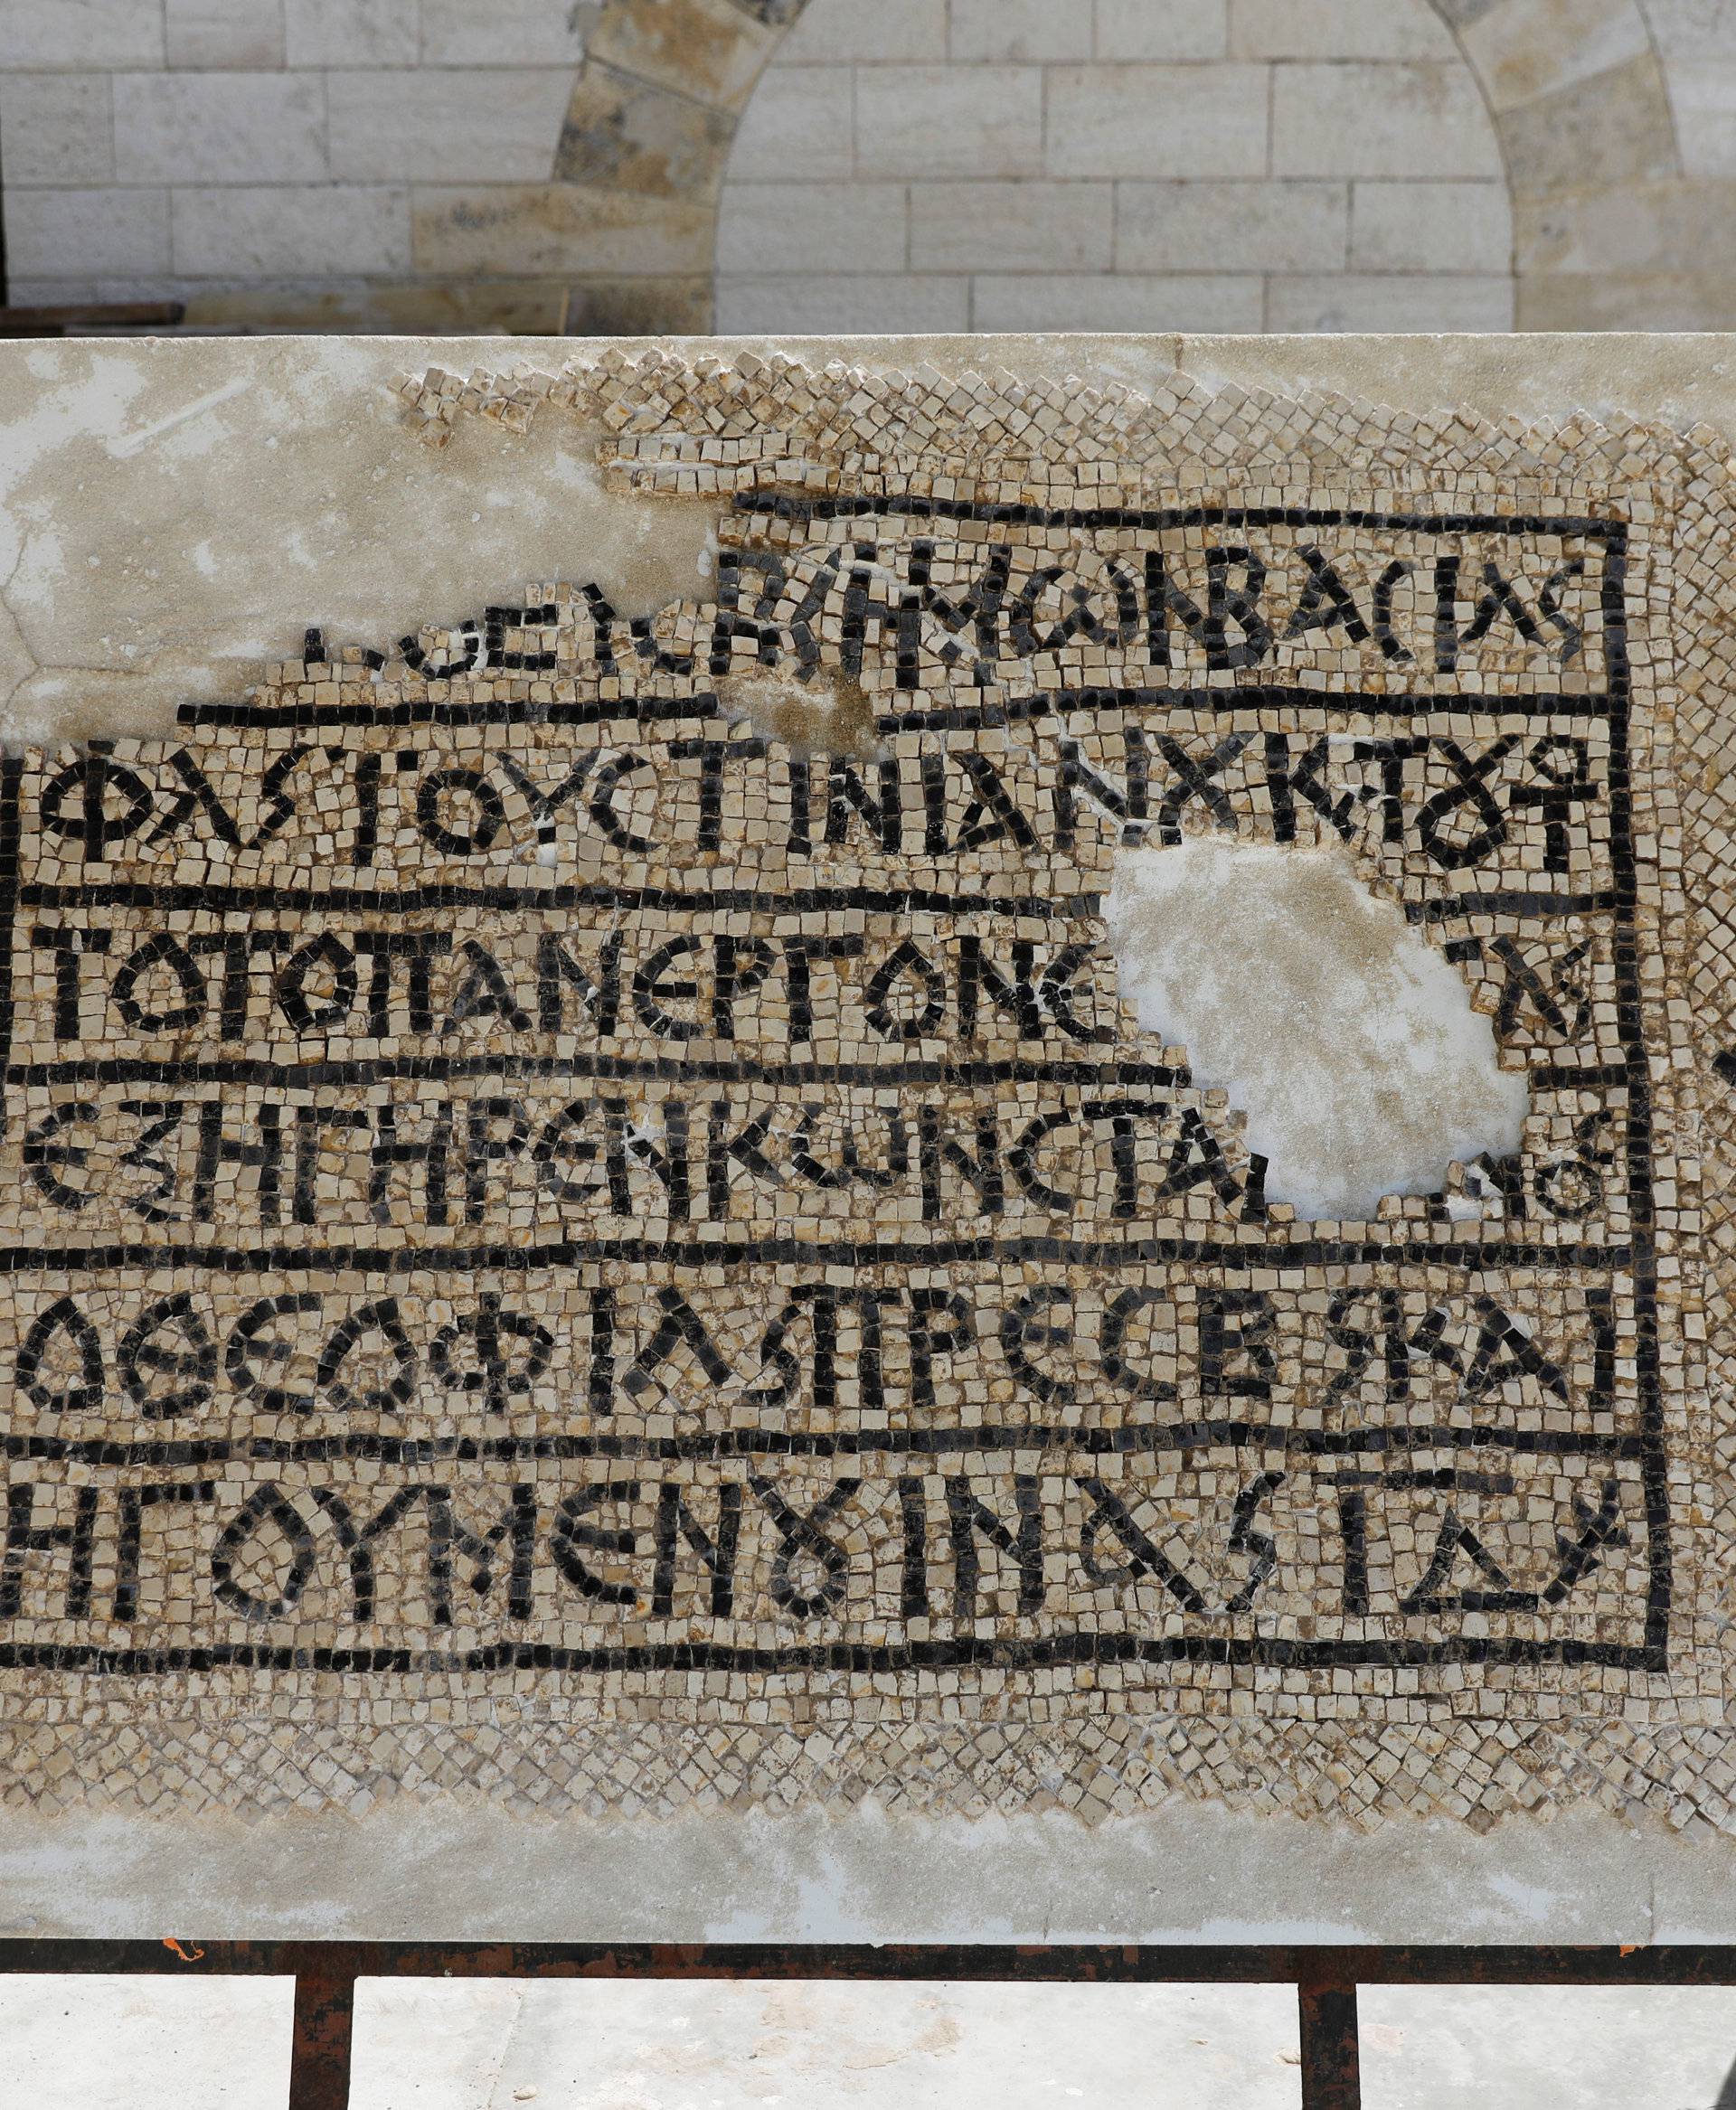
pixel 1626 300
pixel 1403 302
pixel 223 33
pixel 340 229
pixel 1167 30
pixel 81 35
pixel 1011 227
pixel 1019 32
pixel 709 49
pixel 1298 225
pixel 1526 48
pixel 844 304
pixel 1424 118
pixel 638 307
pixel 1337 29
pixel 1702 97
pixel 1157 121
pixel 219 129
pixel 810 227
pixel 1652 228
pixel 799 127
pixel 1430 227
pixel 560 227
pixel 949 121
pixel 1613 128
pixel 76 233
pixel 633 136
pixel 349 33
pixel 1228 302
pixel 506 33
pixel 59 128
pixel 839 33
pixel 402 124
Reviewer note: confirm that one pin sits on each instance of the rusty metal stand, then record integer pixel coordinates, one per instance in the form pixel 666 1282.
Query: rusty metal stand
pixel 320 2068
pixel 1332 2077
pixel 1325 1978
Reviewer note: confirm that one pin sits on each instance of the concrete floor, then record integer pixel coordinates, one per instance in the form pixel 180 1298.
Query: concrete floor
pixel 156 2044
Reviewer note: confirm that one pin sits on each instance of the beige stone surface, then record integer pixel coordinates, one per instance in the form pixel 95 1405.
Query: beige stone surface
pixel 219 127
pixel 1134 120
pixel 573 228
pixel 237 230
pixel 1612 128
pixel 498 126
pixel 115 231
pixel 1168 30
pixel 980 121
pixel 223 33
pixel 1335 29
pixel 708 49
pixel 1196 225
pixel 60 129
pixel 640 137
pixel 1529 48
pixel 809 228
pixel 1000 227
pixel 838 33
pixel 1430 227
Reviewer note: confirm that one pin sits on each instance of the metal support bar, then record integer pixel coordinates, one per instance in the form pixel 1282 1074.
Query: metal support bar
pixel 1072 1962
pixel 1325 1978
pixel 1332 2076
pixel 319 2065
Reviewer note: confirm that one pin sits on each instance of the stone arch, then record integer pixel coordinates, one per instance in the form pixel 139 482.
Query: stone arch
pixel 1573 89
pixel 647 133
pixel 1313 165
pixel 521 187
pixel 1578 96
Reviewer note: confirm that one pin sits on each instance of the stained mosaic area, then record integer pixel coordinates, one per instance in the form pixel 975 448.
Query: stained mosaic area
pixel 585 1217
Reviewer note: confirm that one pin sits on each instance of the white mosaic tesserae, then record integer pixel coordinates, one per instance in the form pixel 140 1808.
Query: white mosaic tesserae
pixel 1053 1145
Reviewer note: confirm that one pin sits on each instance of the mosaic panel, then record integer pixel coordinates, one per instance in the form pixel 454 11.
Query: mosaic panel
pixel 585 1221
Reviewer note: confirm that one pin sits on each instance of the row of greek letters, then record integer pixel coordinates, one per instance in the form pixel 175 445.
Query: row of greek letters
pixel 605 1162
pixel 1459 801
pixel 869 1346
pixel 432 1159
pixel 889 991
pixel 764 1544
pixel 863 602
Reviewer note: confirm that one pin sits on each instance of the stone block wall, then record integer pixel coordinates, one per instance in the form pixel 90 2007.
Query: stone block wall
pixel 621 166
pixel 1229 165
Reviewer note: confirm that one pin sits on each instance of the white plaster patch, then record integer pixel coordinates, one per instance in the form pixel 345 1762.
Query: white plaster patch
pixel 1345 1037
